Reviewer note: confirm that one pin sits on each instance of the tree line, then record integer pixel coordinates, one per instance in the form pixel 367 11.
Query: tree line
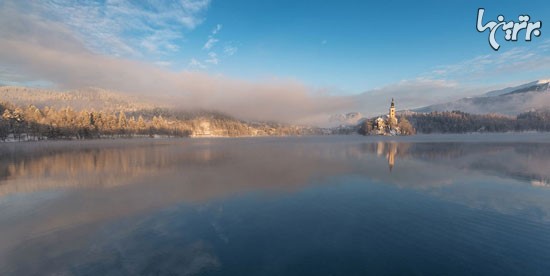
pixel 33 123
pixel 461 122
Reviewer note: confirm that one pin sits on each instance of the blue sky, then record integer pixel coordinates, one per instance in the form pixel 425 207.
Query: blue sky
pixel 352 46
pixel 210 52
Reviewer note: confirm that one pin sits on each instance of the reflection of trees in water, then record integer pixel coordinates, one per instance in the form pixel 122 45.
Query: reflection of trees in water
pixel 210 167
pixel 252 163
pixel 150 175
pixel 524 161
pixel 90 167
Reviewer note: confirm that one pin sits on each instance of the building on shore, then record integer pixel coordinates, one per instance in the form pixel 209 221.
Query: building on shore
pixel 388 124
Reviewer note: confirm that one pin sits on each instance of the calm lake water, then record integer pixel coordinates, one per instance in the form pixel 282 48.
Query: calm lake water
pixel 423 205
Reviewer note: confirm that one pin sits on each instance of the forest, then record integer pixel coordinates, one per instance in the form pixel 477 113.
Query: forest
pixel 33 123
pixel 461 122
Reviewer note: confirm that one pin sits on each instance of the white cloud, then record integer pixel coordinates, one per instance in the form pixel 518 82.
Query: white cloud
pixel 230 50
pixel 522 59
pixel 194 63
pixel 123 27
pixel 161 41
pixel 194 6
pixel 217 29
pixel 210 43
pixel 212 58
pixel 163 63
pixel 212 40
pixel 172 47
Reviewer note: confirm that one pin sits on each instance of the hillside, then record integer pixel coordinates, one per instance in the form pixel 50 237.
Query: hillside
pixel 90 98
pixel 509 101
pixel 351 118
pixel 36 114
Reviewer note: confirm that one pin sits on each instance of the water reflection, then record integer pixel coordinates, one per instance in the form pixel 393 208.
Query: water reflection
pixel 184 206
pixel 89 166
pixel 527 162
pixel 251 164
pixel 389 150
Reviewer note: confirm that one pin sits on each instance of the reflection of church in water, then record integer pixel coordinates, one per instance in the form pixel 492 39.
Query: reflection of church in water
pixel 388 149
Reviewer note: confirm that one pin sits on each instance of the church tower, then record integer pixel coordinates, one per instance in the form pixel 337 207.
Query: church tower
pixel 392 119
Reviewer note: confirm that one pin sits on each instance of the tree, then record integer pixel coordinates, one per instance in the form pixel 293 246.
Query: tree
pixel 141 126
pixel 365 127
pixel 122 123
pixel 4 129
pixel 17 122
pixel 405 126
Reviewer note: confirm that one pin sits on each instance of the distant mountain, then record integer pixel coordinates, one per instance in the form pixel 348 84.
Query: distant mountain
pixel 539 86
pixel 510 89
pixel 351 118
pixel 508 101
pixel 86 98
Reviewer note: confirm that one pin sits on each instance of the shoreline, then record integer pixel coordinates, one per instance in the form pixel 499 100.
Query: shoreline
pixel 475 137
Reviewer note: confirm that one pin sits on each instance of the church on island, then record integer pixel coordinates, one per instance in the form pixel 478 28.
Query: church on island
pixel 388 125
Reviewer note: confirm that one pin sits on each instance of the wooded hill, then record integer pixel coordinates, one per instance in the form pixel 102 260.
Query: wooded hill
pixel 33 123
pixel 461 122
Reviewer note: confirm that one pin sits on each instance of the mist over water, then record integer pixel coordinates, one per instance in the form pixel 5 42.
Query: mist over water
pixel 351 205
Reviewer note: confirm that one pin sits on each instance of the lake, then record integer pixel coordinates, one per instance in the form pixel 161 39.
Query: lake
pixel 337 205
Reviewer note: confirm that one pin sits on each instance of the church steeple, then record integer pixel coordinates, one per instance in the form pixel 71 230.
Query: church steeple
pixel 392 119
